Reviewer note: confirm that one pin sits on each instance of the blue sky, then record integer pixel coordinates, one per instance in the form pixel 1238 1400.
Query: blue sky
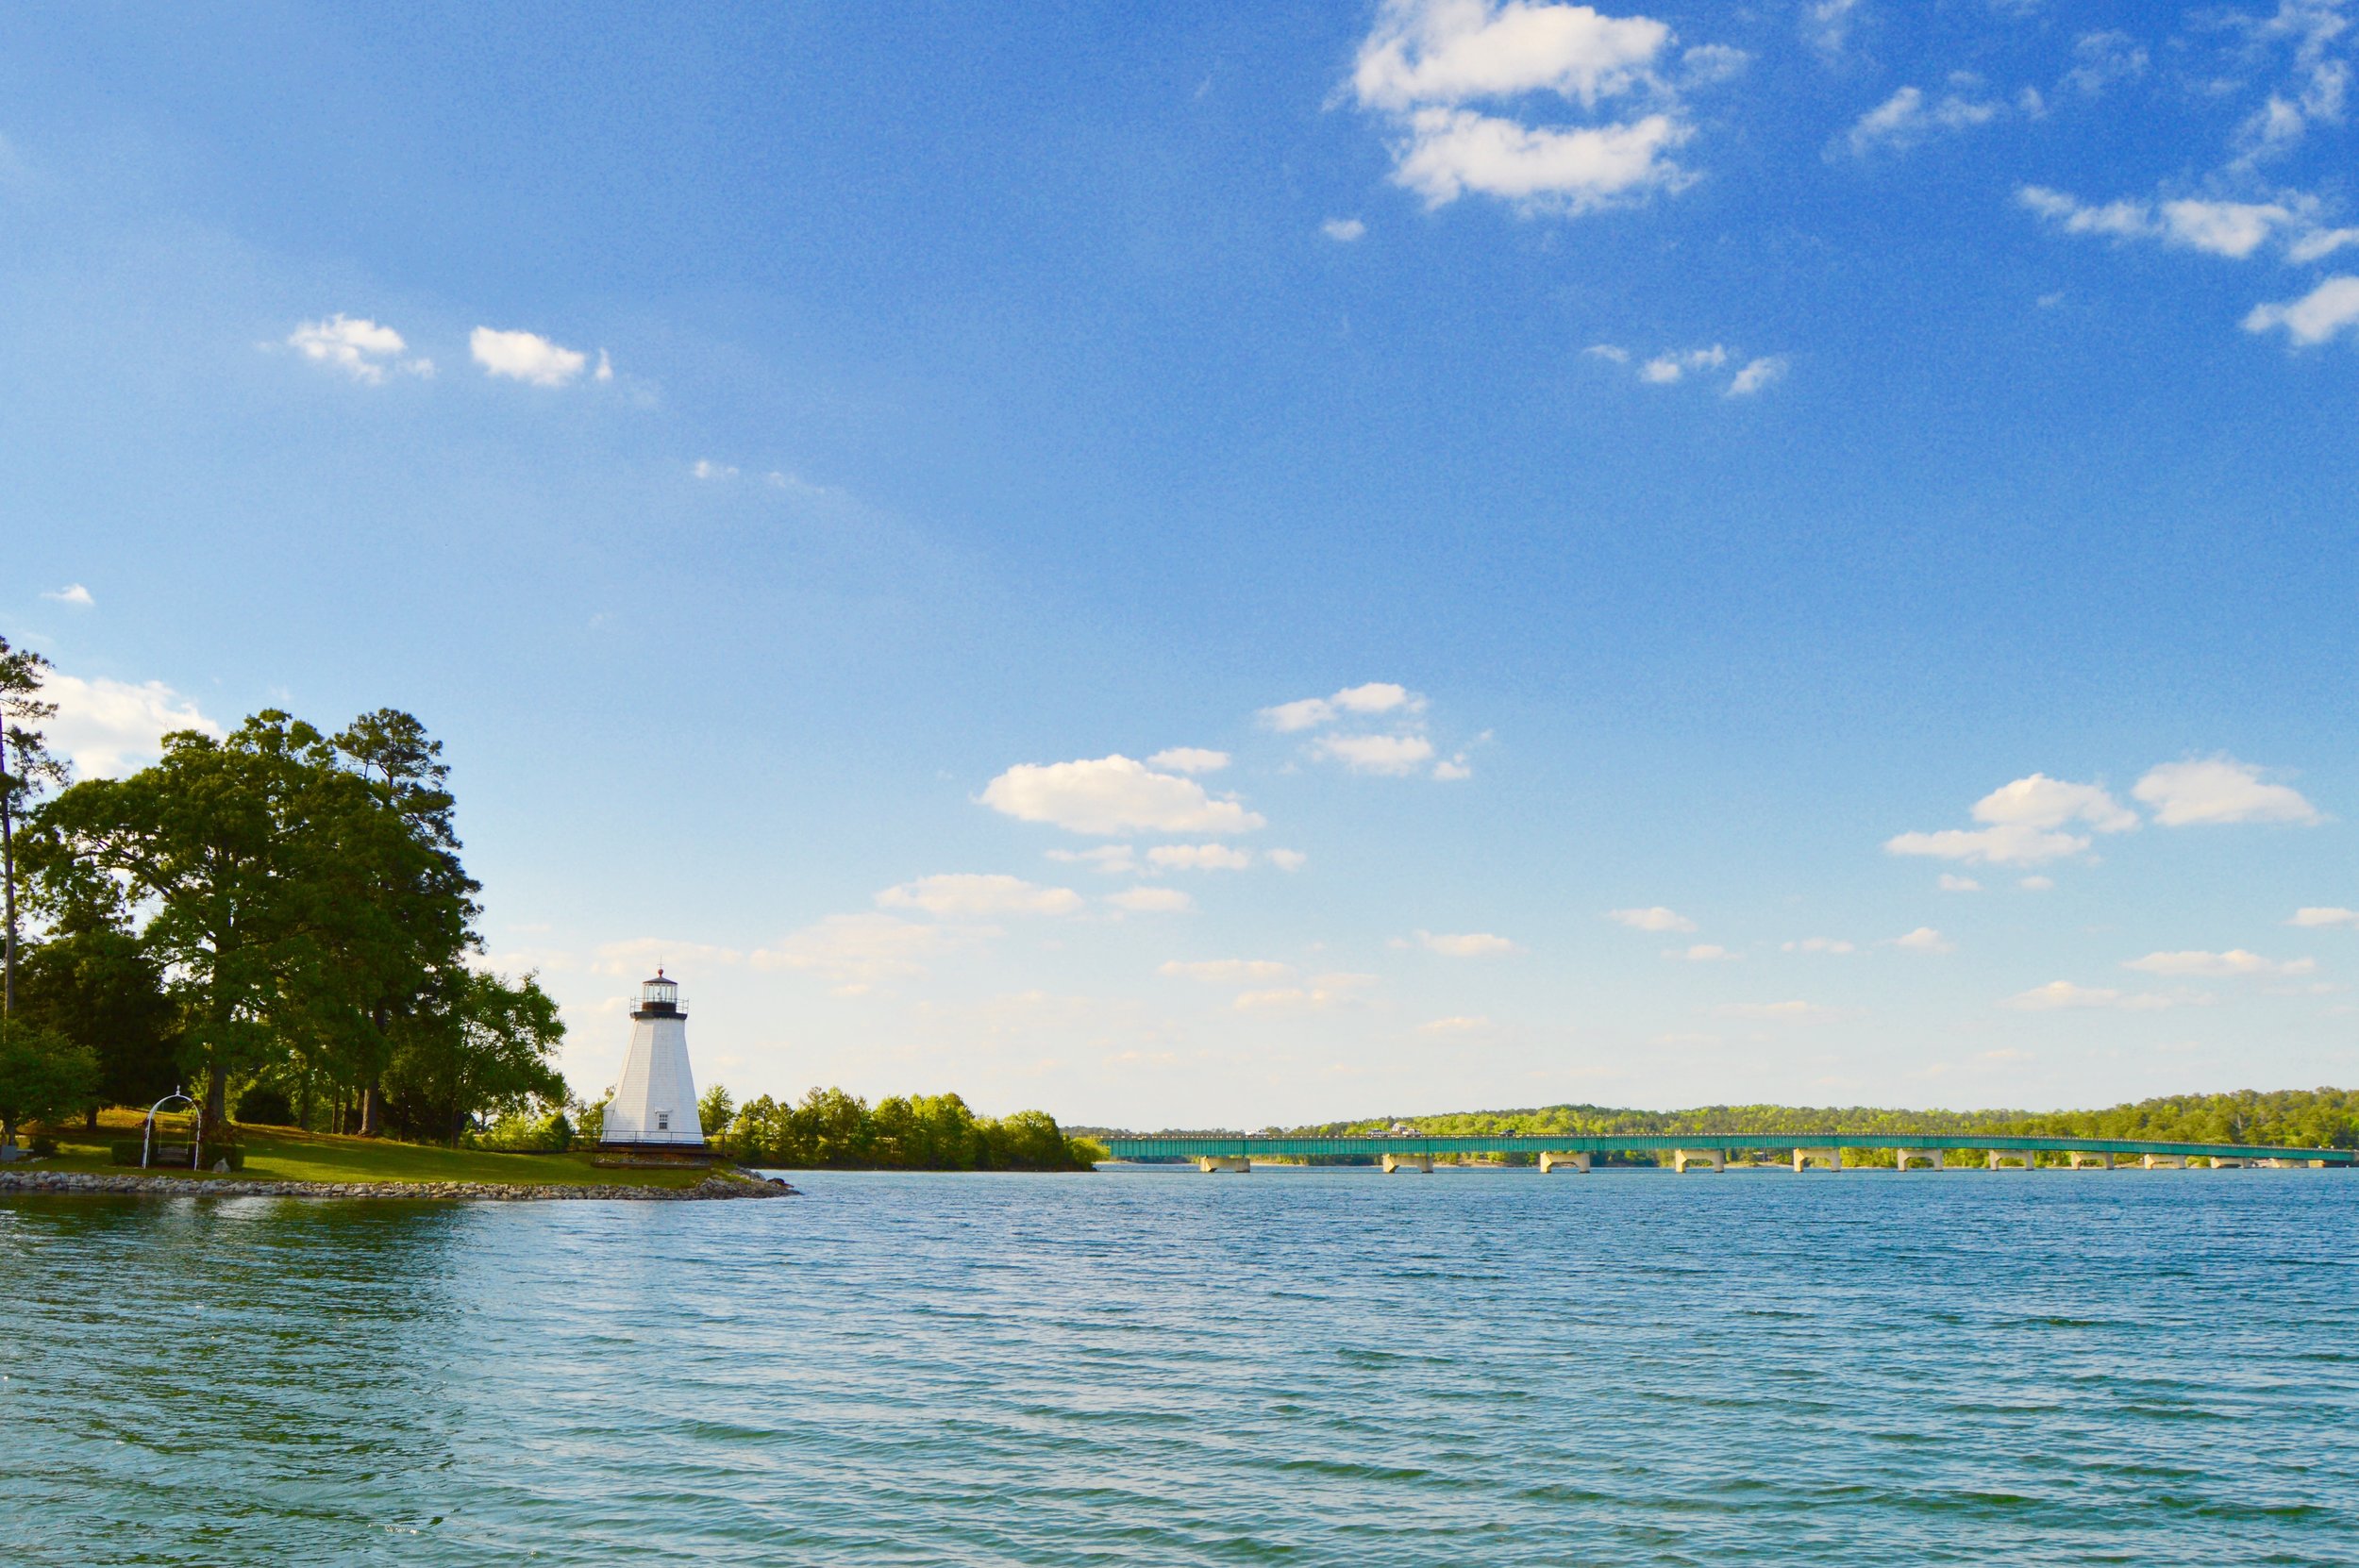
pixel 1577 534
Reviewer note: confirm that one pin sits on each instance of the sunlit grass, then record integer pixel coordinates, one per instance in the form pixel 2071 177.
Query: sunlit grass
pixel 283 1154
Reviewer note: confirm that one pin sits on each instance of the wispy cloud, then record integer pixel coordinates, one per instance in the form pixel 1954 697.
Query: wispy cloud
pixel 361 348
pixel 1656 918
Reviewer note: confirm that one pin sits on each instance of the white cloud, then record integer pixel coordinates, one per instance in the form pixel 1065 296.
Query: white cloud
pixel 1151 901
pixel 1323 992
pixel 1756 375
pixel 1112 860
pixel 1702 952
pixel 2037 884
pixel 1425 59
pixel 2039 801
pixel 2321 243
pixel 1654 919
pixel 525 357
pixel 1395 754
pixel 1827 26
pixel 110 727
pixel 2104 59
pixel 2233 229
pixel 1997 845
pixel 642 956
pixel 1614 352
pixel 1378 696
pixel 2058 995
pixel 1789 1012
pixel 2025 822
pixel 71 593
pixel 1309 713
pixel 1375 697
pixel 1950 882
pixel 2324 915
pixel 1114 795
pixel 361 348
pixel 1199 857
pixel 1665 369
pixel 1924 939
pixel 1189 760
pixel 1343 230
pixel 2235 961
pixel 1450 152
pixel 1451 769
pixel 1226 972
pixel 859 949
pixel 2221 790
pixel 1905 119
pixel 606 368
pixel 706 469
pixel 1819 945
pixel 974 895
pixel 1456 50
pixel 1287 859
pixel 2316 316
pixel 1465 945
pixel 1454 1026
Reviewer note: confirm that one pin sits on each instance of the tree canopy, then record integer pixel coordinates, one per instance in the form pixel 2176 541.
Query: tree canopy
pixel 282 904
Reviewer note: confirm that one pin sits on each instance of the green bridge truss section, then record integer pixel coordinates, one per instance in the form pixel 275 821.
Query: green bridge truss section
pixel 1376 1147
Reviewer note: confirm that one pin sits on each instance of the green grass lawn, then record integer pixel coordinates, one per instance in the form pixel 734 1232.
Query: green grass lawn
pixel 282 1154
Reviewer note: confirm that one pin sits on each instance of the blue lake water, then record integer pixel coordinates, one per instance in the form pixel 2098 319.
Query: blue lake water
pixel 1164 1367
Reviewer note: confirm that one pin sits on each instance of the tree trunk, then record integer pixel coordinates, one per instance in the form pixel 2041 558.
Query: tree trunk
pixel 372 1113
pixel 90 1119
pixel 217 1097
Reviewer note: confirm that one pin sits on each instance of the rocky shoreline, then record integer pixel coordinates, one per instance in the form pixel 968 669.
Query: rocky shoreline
pixel 713 1187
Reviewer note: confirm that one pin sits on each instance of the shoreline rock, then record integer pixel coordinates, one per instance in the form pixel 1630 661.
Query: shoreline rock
pixel 711 1188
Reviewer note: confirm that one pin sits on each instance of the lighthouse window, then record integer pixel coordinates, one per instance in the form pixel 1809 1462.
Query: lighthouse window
pixel 662 1121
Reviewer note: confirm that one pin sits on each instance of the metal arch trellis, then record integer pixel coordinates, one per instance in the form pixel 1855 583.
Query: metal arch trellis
pixel 148 1131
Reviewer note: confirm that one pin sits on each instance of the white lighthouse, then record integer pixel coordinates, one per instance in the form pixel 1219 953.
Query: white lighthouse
pixel 655 1106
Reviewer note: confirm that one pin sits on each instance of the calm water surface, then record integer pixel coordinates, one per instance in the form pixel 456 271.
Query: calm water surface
pixel 1312 1367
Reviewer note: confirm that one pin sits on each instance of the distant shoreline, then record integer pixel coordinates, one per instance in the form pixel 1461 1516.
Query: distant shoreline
pixel 80 1183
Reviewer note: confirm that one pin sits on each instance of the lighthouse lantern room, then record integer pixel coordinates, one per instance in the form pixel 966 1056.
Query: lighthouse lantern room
pixel 654 1104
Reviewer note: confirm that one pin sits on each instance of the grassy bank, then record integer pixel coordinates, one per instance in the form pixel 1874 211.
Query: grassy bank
pixel 283 1154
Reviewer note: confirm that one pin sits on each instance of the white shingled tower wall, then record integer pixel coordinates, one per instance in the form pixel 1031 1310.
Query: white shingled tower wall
pixel 655 1102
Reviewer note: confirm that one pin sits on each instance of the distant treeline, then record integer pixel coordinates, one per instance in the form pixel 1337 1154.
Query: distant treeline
pixel 2309 1118
pixel 827 1127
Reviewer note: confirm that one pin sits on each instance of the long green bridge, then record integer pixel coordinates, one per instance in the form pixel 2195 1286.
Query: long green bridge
pixel 1684 1152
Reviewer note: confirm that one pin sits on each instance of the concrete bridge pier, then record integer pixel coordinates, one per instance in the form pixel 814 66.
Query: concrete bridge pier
pixel 1909 1159
pixel 1549 1161
pixel 1711 1159
pixel 2080 1159
pixel 1998 1158
pixel 2165 1162
pixel 1209 1164
pixel 1831 1159
pixel 1420 1162
pixel 2227 1162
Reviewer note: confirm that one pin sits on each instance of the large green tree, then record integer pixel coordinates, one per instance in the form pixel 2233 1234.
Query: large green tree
pixel 489 1050
pixel 92 981
pixel 25 768
pixel 44 1076
pixel 406 866
pixel 233 849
